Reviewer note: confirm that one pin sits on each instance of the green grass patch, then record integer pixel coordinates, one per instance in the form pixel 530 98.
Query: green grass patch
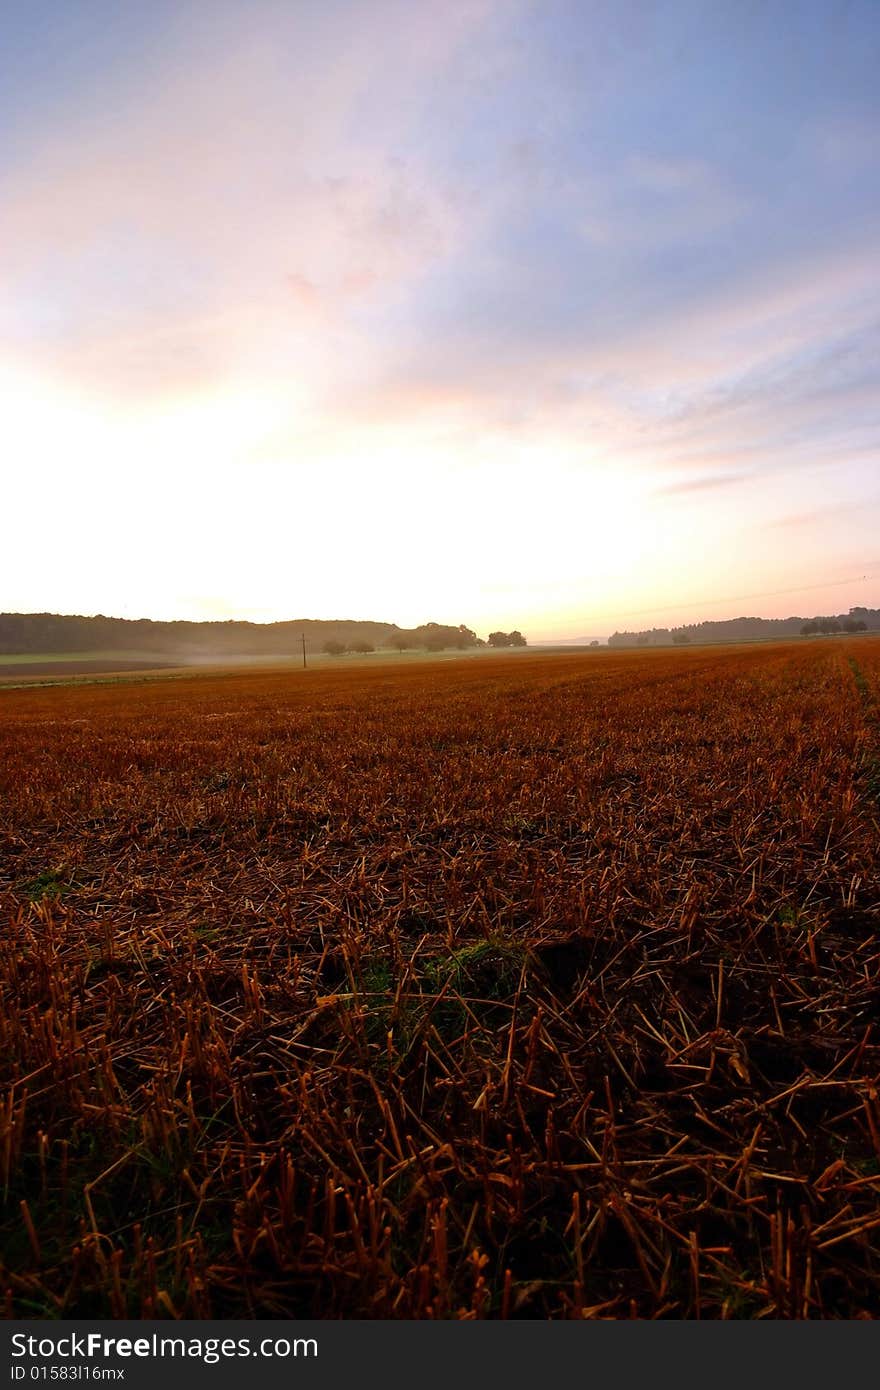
pixel 860 679
pixel 51 883
pixel 491 969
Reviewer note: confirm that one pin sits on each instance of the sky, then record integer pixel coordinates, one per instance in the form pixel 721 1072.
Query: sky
pixel 560 315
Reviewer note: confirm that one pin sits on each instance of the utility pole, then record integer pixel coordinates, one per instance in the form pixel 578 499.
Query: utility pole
pixel 303 638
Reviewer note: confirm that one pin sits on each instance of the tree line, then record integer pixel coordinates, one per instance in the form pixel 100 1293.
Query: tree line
pixel 430 637
pixel 23 633
pixel 747 629
pixel 828 626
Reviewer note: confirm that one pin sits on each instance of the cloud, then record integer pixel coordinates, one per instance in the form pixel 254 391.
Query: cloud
pixel 582 257
pixel 703 484
pixel 228 201
pixel 825 516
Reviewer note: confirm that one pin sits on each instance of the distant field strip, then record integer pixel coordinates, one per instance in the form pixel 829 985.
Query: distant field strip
pixel 43 668
pixel 104 657
pixel 545 986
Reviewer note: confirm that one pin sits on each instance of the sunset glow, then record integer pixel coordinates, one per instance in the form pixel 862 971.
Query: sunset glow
pixel 453 313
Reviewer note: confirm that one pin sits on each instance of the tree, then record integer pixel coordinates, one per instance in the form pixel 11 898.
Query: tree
pixel 855 625
pixel 402 641
pixel 810 629
pixel 681 639
pixel 334 648
pixel 499 639
pixel 828 625
pixel 516 639
pixel 436 637
pixel 362 647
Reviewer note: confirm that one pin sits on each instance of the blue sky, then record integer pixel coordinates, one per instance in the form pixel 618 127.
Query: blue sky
pixel 543 314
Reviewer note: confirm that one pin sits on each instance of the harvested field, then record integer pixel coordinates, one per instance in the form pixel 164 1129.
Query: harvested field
pixel 539 988
pixel 21 671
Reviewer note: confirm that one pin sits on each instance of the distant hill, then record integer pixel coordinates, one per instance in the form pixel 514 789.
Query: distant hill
pixel 21 633
pixel 736 630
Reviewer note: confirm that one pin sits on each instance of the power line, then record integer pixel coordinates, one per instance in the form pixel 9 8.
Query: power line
pixel 741 598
